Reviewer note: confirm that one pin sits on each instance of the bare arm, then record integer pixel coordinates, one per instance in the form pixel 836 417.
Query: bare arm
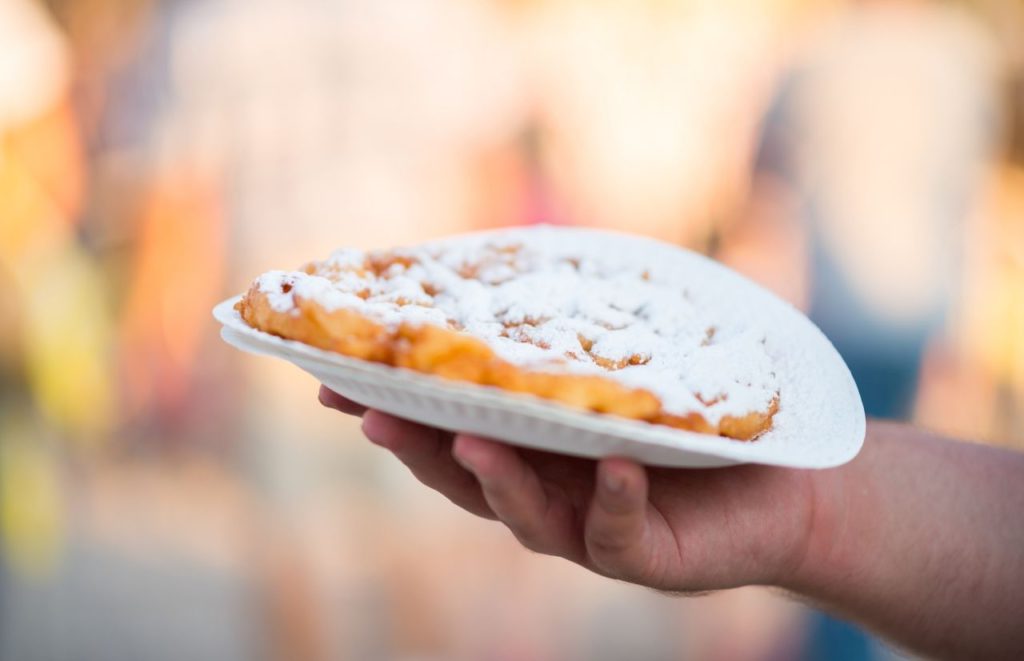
pixel 920 539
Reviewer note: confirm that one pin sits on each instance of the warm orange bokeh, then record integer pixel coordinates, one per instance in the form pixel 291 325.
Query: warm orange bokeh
pixel 154 157
pixel 175 279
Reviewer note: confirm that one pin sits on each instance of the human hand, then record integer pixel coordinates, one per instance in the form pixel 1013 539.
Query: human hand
pixel 883 540
pixel 672 529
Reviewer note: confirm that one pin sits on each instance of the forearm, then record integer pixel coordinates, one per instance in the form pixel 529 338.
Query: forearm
pixel 922 540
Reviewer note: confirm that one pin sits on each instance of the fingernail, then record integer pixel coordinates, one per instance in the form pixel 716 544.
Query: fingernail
pixel 613 483
pixel 369 430
pixel 464 462
pixel 460 455
pixel 326 399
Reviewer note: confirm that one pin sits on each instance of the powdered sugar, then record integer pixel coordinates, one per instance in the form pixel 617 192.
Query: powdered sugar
pixel 553 299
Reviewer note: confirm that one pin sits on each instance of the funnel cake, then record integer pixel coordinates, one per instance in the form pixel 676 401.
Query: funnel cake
pixel 532 311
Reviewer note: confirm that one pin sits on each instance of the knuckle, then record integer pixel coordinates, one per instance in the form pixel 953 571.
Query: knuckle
pixel 497 493
pixel 418 448
pixel 618 506
pixel 606 542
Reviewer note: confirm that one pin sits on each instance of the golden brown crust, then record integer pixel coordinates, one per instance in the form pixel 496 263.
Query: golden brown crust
pixel 460 357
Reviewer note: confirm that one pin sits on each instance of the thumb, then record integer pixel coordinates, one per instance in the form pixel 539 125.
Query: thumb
pixel 616 532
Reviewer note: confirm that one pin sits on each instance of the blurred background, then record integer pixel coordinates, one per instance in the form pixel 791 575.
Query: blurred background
pixel 163 496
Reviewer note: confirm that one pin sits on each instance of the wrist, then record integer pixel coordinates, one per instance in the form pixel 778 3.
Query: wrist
pixel 849 517
pixel 818 555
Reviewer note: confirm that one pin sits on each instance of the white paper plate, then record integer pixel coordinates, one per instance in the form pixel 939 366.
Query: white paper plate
pixel 820 422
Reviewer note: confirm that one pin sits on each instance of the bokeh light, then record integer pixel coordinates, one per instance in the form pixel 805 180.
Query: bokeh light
pixel 163 496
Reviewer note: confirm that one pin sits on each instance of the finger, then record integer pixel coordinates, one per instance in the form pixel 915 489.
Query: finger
pixel 516 495
pixel 427 453
pixel 616 532
pixel 333 400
